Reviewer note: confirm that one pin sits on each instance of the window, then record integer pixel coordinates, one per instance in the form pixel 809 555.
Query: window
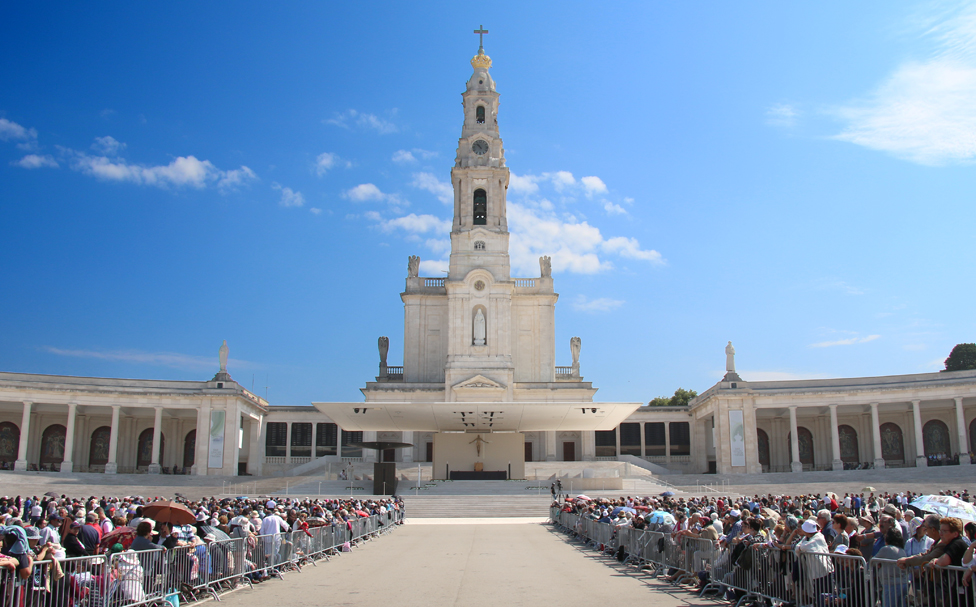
pixel 654 438
pixel 301 439
pixel 630 443
pixel 325 439
pixel 351 437
pixel 479 245
pixel 606 443
pixel 276 438
pixel 480 207
pixel 680 438
pixel 480 114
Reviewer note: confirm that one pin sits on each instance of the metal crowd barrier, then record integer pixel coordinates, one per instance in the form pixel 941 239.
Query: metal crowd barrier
pixel 773 575
pixel 158 577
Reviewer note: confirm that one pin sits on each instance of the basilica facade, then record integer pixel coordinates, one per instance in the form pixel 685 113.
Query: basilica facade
pixel 480 390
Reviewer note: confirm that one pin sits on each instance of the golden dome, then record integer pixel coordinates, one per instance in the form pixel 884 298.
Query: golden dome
pixel 481 60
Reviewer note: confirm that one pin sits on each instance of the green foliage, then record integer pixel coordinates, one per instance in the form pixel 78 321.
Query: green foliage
pixel 681 398
pixel 962 358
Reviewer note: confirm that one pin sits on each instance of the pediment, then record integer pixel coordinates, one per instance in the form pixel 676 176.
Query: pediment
pixel 478 381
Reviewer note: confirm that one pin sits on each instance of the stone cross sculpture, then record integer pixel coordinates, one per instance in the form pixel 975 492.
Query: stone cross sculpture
pixel 479 328
pixel 730 358
pixel 384 346
pixel 222 354
pixel 413 266
pixel 477 444
pixel 574 346
pixel 545 266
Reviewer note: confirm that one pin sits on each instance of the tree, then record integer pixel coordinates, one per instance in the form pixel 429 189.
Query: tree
pixel 962 358
pixel 681 398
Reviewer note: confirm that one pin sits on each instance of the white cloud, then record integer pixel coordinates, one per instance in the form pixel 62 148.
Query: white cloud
pixel 315 211
pixel 523 184
pixel 561 180
pixel 182 171
pixel 351 118
pixel 409 156
pixel 434 267
pixel 833 284
pixel 403 156
pixel 781 114
pixel 925 111
pixel 414 224
pixel 107 146
pixel 630 248
pixel 613 209
pixel 12 131
pixel 429 182
pixel 326 161
pixel 164 359
pixel 601 304
pixel 845 342
pixel 289 197
pixel 34 161
pixel 593 185
pixel 365 192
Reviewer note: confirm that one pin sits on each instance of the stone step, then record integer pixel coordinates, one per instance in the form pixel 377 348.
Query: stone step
pixel 476 506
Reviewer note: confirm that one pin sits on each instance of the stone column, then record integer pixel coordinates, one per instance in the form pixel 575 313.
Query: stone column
pixel 113 443
pixel 961 429
pixel 795 464
pixel 203 441
pixel 338 441
pixel 920 460
pixel 407 454
pixel 370 455
pixel 67 466
pixel 667 442
pixel 315 428
pixel 287 442
pixel 617 435
pixel 643 440
pixel 550 445
pixel 837 463
pixel 21 463
pixel 154 467
pixel 255 456
pixel 879 462
pixel 588 442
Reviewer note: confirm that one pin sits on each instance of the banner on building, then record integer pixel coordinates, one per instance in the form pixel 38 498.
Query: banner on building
pixel 216 458
pixel 737 438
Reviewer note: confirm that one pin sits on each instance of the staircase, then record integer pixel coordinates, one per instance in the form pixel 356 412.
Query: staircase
pixel 476 506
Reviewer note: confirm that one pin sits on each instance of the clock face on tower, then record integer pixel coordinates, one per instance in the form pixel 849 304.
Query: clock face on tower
pixel 479 147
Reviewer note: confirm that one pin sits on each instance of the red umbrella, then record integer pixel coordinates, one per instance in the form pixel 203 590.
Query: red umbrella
pixel 119 535
pixel 168 511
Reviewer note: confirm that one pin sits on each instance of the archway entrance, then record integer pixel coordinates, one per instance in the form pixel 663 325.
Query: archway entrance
pixel 52 446
pixel 98 449
pixel 144 452
pixel 892 443
pixel 189 448
pixel 9 444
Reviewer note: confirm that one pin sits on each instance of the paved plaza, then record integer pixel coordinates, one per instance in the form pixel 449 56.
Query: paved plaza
pixel 519 563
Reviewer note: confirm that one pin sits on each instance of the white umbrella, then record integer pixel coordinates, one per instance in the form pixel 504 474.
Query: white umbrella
pixel 584 497
pixel 945 505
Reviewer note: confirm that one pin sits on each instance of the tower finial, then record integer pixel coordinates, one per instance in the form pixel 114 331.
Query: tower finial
pixel 481 60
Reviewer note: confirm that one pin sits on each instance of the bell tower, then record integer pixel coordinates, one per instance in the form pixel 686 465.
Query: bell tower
pixel 479 235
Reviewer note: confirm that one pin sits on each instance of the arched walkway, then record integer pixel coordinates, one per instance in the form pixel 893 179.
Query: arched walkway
pixel 806 445
pixel 9 443
pixel 849 451
pixel 52 446
pixel 145 448
pixel 189 448
pixel 935 437
pixel 892 443
pixel 763 443
pixel 98 451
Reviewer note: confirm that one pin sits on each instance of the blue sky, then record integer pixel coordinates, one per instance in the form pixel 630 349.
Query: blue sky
pixel 795 178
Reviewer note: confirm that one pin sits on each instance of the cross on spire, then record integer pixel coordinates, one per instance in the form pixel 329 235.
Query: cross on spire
pixel 481 31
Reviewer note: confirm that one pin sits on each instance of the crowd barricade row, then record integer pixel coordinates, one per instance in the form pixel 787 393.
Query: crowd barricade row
pixel 774 575
pixel 158 577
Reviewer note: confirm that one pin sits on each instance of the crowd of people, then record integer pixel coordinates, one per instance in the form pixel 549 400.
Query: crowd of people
pixel 45 540
pixel 912 547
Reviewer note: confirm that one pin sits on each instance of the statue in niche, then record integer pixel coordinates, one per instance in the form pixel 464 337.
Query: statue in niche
pixel 545 266
pixel 479 328
pixel 413 266
pixel 222 353
pixel 384 345
pixel 730 358
pixel 574 346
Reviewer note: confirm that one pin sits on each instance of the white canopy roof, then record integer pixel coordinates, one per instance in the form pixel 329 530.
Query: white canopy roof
pixel 484 417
